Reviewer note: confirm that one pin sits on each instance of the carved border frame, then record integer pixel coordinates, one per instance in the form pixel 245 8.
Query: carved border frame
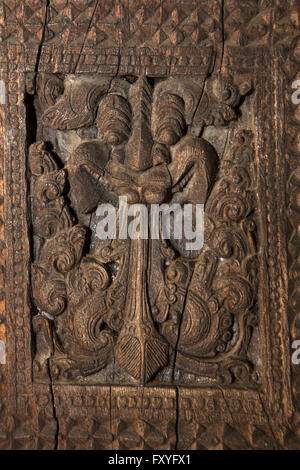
pixel 169 409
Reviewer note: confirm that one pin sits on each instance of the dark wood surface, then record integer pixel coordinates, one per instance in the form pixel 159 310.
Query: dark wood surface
pixel 142 344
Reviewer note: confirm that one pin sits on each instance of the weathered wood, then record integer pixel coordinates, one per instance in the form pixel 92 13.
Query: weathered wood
pixel 144 344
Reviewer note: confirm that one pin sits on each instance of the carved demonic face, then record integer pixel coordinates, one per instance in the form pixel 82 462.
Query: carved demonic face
pixel 141 305
pixel 144 150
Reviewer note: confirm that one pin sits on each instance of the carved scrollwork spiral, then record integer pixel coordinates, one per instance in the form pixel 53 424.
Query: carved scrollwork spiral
pixel 237 371
pixel 53 219
pixel 219 101
pixel 237 176
pixel 49 293
pixel 63 252
pixel 89 277
pixel 227 243
pixel 242 151
pixel 89 329
pixel 176 275
pixel 51 186
pixel 235 293
pixel 198 333
pixel 231 207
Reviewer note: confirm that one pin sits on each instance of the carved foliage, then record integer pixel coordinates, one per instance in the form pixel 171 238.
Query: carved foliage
pixel 196 309
pixel 216 322
pixel 59 269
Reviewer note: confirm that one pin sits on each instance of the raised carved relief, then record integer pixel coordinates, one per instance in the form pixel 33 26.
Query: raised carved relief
pixel 145 305
pixel 150 100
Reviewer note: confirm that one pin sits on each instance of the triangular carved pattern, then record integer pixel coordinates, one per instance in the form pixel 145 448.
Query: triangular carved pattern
pixel 109 23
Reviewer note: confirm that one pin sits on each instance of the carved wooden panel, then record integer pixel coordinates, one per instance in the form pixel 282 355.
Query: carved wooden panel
pixel 145 343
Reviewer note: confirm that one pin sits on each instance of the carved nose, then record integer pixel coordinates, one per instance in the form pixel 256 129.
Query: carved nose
pixel 138 154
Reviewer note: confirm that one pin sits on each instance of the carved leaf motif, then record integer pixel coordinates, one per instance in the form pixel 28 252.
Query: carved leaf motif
pixel 143 309
pixel 52 219
pixel 77 107
pixel 193 168
pixel 219 101
pixel 62 252
pixel 188 90
pixel 138 154
pixel 195 326
pixel 86 169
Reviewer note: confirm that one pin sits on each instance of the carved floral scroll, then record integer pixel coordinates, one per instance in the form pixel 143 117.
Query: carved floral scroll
pixel 145 305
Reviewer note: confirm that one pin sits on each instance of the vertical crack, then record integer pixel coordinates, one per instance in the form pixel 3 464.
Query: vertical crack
pixel 187 290
pixel 226 143
pixel 177 419
pixel 86 35
pixel 178 336
pixel 268 421
pixel 226 403
pixel 39 52
pixel 222 33
pixel 56 437
pixel 110 419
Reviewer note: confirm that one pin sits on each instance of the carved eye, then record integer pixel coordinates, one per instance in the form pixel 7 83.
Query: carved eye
pixel 168 123
pixel 114 119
